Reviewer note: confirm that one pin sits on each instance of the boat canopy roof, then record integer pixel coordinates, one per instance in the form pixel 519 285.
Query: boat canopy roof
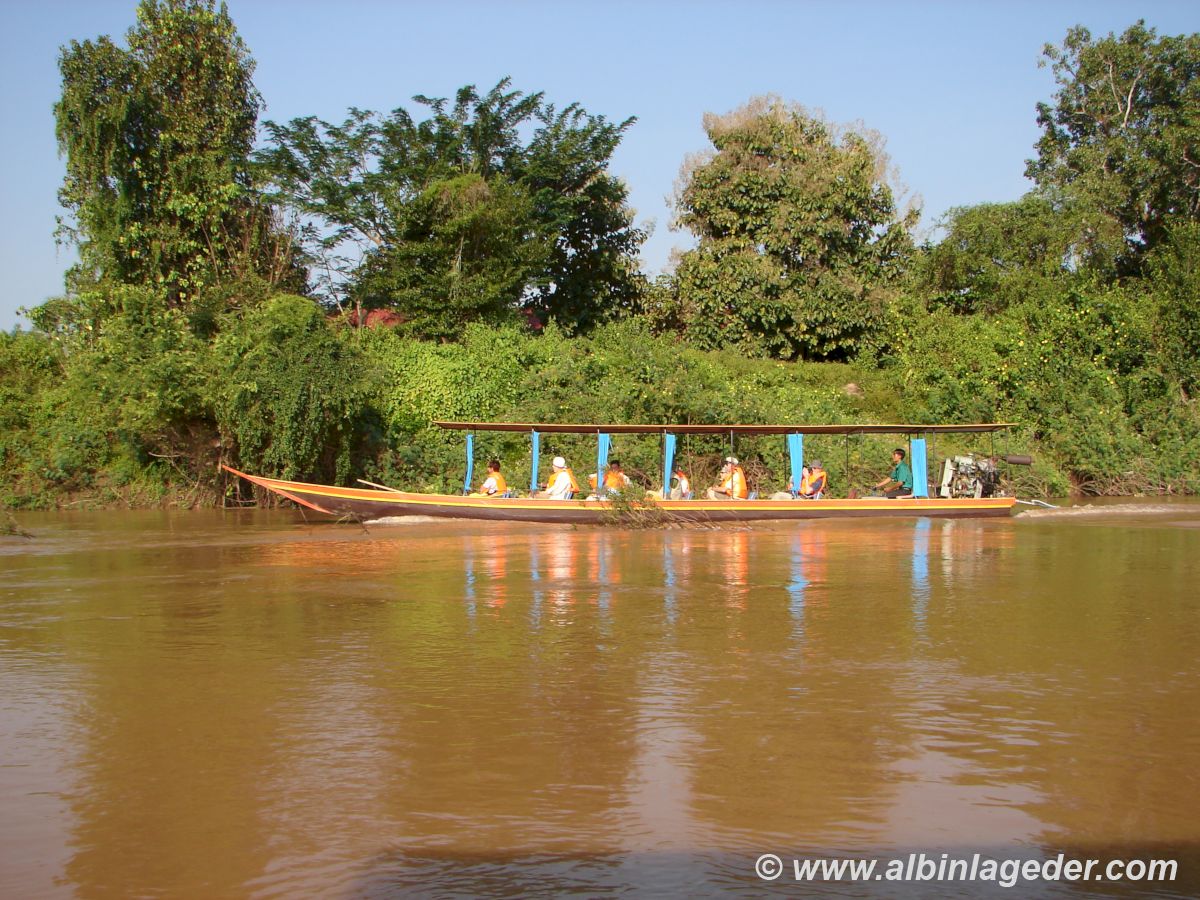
pixel 559 428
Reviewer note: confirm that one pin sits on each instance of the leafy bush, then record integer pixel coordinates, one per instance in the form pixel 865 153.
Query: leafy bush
pixel 290 392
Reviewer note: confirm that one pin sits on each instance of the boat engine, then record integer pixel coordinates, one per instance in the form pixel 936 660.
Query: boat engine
pixel 970 476
pixel 976 476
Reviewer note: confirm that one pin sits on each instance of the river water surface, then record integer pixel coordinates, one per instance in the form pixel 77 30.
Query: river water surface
pixel 245 704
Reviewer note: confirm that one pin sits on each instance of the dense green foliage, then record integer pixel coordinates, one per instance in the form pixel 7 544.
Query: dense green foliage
pixel 496 205
pixel 994 254
pixel 157 141
pixel 621 374
pixel 292 393
pixel 799 236
pixel 1122 132
pixel 185 340
pixel 1175 282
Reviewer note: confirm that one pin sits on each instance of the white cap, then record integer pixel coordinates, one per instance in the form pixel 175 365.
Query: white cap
pixel 732 460
pixel 559 462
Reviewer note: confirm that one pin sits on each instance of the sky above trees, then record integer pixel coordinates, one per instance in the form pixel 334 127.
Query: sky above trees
pixel 952 87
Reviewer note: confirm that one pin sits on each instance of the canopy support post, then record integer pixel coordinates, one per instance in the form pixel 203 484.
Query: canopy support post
pixel 795 447
pixel 934 478
pixel 602 444
pixel 668 457
pixel 533 482
pixel 920 467
pixel 1007 466
pixel 470 462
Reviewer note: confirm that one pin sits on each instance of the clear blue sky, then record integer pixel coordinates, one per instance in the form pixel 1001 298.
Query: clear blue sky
pixel 952 86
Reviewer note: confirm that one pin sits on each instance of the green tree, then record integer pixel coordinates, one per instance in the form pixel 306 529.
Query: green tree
pixel 1175 284
pixel 1123 131
pixel 591 272
pixel 456 217
pixel 994 254
pixel 467 256
pixel 157 139
pixel 799 235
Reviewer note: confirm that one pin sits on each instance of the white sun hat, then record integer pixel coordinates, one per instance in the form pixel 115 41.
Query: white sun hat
pixel 559 462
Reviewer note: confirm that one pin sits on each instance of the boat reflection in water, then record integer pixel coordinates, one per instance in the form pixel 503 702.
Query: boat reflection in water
pixel 459 709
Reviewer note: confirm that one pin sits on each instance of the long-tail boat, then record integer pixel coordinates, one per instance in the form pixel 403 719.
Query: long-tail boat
pixel 365 504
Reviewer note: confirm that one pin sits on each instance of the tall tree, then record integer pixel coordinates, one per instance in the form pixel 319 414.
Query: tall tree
pixel 799 235
pixel 994 254
pixel 157 139
pixel 1123 131
pixel 456 216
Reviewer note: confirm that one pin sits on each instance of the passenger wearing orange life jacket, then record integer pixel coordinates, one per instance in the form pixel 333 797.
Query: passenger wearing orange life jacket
pixel 495 485
pixel 562 485
pixel 614 478
pixel 814 482
pixel 733 482
pixel 682 488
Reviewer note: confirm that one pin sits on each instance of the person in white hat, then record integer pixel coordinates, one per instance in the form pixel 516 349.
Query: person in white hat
pixel 562 484
pixel 733 482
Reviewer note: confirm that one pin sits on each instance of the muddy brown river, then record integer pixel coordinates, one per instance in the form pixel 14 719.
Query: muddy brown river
pixel 247 704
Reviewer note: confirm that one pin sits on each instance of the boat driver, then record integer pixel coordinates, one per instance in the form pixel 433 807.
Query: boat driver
pixel 900 482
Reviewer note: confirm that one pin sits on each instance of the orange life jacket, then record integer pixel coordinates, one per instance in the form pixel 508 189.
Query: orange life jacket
pixel 616 480
pixel 501 484
pixel 575 489
pixel 735 484
pixel 814 483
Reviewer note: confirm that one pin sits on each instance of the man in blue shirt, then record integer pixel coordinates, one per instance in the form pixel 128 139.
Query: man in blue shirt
pixel 900 482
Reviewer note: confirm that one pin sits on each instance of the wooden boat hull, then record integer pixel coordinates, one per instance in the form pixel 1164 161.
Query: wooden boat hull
pixel 365 504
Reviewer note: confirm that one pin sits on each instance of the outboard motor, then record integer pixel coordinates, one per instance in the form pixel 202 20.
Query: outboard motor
pixel 975 476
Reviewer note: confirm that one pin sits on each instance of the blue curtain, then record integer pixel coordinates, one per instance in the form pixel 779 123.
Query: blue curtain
pixel 795 445
pixel 603 442
pixel 470 462
pixel 919 468
pixel 668 463
pixel 533 482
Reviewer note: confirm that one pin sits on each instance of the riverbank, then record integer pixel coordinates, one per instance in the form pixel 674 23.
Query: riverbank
pixel 305 400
